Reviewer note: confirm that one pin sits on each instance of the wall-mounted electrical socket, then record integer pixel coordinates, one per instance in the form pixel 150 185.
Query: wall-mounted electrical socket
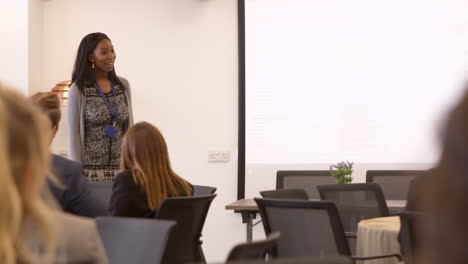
pixel 219 155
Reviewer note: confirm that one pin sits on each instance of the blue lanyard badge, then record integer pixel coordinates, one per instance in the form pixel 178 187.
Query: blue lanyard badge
pixel 110 129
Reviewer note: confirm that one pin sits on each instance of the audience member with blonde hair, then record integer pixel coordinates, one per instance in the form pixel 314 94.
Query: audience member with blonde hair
pixel 444 195
pixel 147 178
pixel 76 196
pixel 31 230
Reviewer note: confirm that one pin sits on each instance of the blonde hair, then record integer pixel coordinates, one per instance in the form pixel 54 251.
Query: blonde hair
pixel 144 151
pixel 50 104
pixel 24 164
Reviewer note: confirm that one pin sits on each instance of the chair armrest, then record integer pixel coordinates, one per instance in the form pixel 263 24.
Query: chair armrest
pixel 350 234
pixel 398 256
pixel 394 212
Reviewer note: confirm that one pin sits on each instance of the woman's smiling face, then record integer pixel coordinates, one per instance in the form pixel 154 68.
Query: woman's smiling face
pixel 103 56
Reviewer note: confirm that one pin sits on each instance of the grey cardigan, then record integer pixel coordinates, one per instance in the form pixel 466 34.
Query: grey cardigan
pixel 75 114
pixel 78 240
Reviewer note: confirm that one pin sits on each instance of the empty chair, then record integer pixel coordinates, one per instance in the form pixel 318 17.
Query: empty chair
pixel 133 240
pixel 254 250
pixel 410 234
pixel 307 228
pixel 189 214
pixel 298 194
pixel 203 190
pixel 355 202
pixel 394 183
pixel 304 179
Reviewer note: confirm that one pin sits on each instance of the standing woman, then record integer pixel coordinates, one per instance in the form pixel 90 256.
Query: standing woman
pixel 99 109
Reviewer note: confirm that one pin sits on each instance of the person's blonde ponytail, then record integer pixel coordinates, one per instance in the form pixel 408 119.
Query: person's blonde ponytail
pixel 11 209
pixel 24 165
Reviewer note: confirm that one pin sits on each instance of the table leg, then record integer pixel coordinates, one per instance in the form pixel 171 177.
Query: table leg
pixel 247 218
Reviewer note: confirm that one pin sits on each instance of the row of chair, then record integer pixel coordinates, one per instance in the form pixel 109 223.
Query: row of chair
pixel 173 238
pixel 394 183
pixel 191 250
pixel 354 202
pixel 311 232
pixel 410 239
pixel 315 232
pixel 138 241
pixel 307 228
pixel 351 202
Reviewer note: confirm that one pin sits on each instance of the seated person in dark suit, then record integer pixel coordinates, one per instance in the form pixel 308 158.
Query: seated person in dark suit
pixel 147 178
pixel 75 196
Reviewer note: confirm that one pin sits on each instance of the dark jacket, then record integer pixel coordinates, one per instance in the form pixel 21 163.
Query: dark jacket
pixel 76 197
pixel 128 199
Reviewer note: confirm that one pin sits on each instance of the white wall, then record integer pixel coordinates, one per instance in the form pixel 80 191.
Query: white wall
pixel 35 46
pixel 14 44
pixel 180 57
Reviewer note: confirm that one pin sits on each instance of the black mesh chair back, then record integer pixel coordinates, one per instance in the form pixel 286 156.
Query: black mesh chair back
pixel 197 191
pixel 254 250
pixel 300 260
pixel 394 183
pixel 296 194
pixel 203 190
pixel 303 179
pixel 190 214
pixel 355 202
pixel 307 228
pixel 410 234
pixel 133 240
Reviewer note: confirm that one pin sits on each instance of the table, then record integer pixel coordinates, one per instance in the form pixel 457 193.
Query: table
pixel 378 236
pixel 248 210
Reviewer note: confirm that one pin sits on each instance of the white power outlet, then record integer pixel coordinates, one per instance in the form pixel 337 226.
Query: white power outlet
pixel 219 155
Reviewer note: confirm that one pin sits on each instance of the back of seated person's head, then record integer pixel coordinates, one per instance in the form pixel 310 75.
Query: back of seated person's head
pixel 25 219
pixel 144 151
pixel 445 198
pixel 49 103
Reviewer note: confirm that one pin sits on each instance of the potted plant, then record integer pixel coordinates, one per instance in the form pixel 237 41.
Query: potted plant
pixel 342 171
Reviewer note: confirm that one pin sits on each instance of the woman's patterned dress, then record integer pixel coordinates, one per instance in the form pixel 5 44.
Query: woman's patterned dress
pixel 101 155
